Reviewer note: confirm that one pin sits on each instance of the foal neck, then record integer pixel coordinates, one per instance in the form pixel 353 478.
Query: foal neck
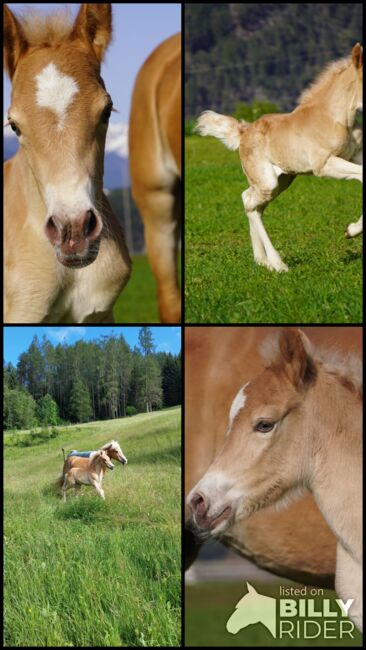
pixel 336 473
pixel 343 97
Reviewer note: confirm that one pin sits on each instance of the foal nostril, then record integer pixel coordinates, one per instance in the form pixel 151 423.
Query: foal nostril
pixel 52 230
pixel 91 226
pixel 198 504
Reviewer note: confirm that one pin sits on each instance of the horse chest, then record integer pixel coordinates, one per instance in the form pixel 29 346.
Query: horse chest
pixel 84 295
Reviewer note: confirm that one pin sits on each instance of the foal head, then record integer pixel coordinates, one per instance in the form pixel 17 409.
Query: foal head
pixel 103 458
pixel 60 111
pixel 264 455
pixel 343 79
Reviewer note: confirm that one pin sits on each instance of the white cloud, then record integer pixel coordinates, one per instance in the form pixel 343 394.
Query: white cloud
pixel 117 139
pixel 62 335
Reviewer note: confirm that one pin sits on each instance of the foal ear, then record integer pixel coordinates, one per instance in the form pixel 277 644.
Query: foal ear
pixel 94 24
pixel 15 43
pixel 297 362
pixel 357 56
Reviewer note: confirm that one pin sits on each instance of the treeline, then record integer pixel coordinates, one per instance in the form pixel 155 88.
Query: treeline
pixel 265 51
pixel 89 380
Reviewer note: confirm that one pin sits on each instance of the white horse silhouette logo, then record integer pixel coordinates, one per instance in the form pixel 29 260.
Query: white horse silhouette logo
pixel 253 608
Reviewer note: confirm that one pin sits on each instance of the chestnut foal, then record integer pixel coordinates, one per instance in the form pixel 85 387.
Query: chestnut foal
pixel 65 256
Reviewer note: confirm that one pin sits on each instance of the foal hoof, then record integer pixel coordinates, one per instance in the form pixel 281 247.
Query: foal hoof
pixel 352 230
pixel 272 266
pixel 280 267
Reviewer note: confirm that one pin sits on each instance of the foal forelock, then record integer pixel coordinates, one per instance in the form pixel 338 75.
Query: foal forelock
pixel 41 29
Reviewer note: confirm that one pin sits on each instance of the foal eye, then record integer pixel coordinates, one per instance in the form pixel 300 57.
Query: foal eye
pixel 264 426
pixel 14 128
pixel 106 115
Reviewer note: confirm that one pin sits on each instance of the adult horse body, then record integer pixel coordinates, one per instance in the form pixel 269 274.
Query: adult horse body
pixel 155 145
pixel 296 425
pixel 319 137
pixel 65 255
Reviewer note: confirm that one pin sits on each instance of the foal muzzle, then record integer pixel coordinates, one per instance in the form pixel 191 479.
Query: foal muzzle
pixel 75 240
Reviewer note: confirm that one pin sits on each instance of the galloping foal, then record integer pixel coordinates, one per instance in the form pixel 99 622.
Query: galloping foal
pixel 155 150
pixel 297 425
pixel 65 255
pixel 319 137
pixel 87 471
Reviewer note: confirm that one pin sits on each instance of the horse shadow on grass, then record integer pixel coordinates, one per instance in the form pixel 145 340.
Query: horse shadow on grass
pixel 351 256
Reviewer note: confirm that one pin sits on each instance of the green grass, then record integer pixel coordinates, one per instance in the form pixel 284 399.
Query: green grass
pixel 208 607
pixel 137 302
pixel 89 572
pixel 306 224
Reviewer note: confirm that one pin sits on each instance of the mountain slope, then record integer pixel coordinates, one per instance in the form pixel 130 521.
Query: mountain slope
pixel 241 52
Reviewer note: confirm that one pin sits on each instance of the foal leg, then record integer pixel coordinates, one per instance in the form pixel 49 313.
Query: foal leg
pixel 67 484
pixel 263 249
pixel 99 489
pixel 343 169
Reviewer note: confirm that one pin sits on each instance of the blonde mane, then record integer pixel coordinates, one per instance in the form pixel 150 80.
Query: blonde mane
pixel 46 30
pixel 332 69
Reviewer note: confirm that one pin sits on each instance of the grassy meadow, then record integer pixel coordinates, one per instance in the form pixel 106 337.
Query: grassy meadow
pixel 209 605
pixel 306 224
pixel 89 572
pixel 138 303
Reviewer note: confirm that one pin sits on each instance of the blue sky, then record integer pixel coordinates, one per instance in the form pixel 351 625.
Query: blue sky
pixel 138 28
pixel 17 339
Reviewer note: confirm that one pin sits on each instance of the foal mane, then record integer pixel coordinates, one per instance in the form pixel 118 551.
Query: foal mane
pixel 46 30
pixel 332 69
pixel 346 367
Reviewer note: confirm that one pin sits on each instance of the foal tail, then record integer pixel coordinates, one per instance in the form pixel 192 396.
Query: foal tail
pixel 225 128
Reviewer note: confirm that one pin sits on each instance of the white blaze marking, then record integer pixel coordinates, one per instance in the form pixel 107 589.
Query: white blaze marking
pixel 70 197
pixel 55 91
pixel 237 405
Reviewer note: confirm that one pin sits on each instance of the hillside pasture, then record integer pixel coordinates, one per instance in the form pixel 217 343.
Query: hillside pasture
pixel 306 224
pixel 89 572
